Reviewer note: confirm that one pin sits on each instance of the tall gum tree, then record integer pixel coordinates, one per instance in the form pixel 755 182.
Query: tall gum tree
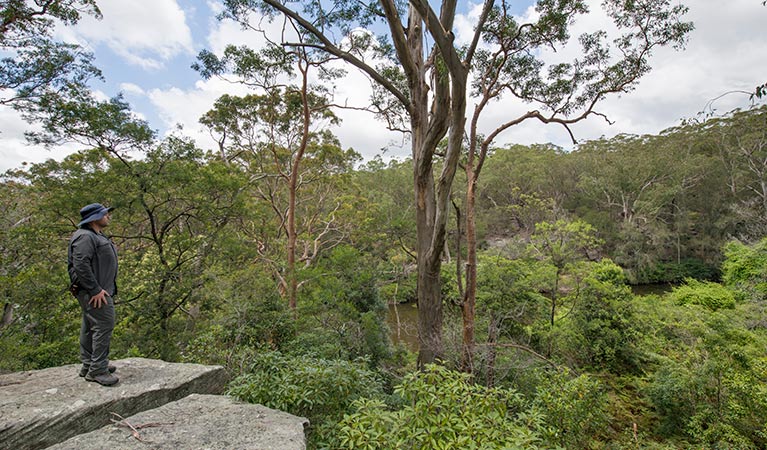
pixel 279 135
pixel 424 73
pixel 510 66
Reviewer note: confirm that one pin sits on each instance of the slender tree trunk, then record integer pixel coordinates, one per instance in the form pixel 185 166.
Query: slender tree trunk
pixel 458 256
pixel 553 313
pixel 554 298
pixel 470 297
pixel 292 187
pixel 292 282
pixel 492 339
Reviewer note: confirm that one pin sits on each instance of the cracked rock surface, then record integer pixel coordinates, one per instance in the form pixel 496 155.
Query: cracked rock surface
pixel 198 422
pixel 41 408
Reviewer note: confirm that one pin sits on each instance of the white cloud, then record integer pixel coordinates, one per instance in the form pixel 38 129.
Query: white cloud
pixel 144 32
pixel 132 88
pixel 185 107
pixel 228 32
pixel 719 57
pixel 15 151
pixel 723 54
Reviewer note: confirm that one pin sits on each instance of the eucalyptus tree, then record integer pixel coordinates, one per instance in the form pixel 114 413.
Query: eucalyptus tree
pixel 429 85
pixel 510 66
pixel 281 137
pixel 35 64
pixel 404 74
pixel 263 140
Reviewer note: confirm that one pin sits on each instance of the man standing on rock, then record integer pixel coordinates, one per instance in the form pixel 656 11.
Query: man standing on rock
pixel 92 265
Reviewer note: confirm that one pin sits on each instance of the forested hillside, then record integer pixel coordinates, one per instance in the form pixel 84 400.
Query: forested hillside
pixel 566 354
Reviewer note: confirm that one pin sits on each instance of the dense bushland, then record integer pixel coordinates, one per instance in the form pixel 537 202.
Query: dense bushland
pixel 566 355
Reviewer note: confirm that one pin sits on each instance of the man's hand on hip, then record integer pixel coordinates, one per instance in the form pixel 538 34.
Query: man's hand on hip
pixel 98 300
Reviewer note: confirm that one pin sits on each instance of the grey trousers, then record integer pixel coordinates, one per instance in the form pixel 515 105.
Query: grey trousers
pixel 96 334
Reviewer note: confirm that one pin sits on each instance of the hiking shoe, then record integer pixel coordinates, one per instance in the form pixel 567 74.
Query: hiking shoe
pixel 84 370
pixel 104 379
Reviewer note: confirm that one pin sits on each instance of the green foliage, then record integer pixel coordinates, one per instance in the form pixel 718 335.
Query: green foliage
pixel 601 331
pixel 341 314
pixel 319 389
pixel 740 139
pixel 509 297
pixel 745 268
pixel 108 125
pixel 508 284
pixel 563 242
pixel 574 409
pixel 519 187
pixel 241 321
pixel 34 65
pixel 713 296
pixel 44 317
pixel 44 334
pixel 676 272
pixel 441 409
pixel 710 383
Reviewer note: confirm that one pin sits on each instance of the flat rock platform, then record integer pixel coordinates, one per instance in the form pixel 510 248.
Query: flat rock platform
pixel 198 422
pixel 40 408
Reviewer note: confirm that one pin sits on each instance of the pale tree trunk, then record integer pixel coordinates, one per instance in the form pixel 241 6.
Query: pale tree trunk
pixel 470 296
pixel 429 286
pixel 428 127
pixel 433 199
pixel 292 281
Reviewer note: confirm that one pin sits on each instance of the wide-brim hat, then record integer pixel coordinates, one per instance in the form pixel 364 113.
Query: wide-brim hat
pixel 93 212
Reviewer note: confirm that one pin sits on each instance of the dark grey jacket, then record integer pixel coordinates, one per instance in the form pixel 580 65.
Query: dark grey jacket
pixel 92 262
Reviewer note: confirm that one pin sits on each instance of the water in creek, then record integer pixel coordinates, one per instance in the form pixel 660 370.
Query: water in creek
pixel 650 289
pixel 403 323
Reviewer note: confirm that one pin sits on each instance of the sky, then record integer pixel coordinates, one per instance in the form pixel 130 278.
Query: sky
pixel 145 48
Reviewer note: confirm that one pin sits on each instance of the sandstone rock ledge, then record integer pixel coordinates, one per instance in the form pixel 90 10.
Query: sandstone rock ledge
pixel 198 422
pixel 40 408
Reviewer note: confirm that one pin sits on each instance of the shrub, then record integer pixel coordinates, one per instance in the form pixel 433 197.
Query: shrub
pixel 713 388
pixel 441 409
pixel 745 268
pixel 318 389
pixel 602 330
pixel 711 295
pixel 574 409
